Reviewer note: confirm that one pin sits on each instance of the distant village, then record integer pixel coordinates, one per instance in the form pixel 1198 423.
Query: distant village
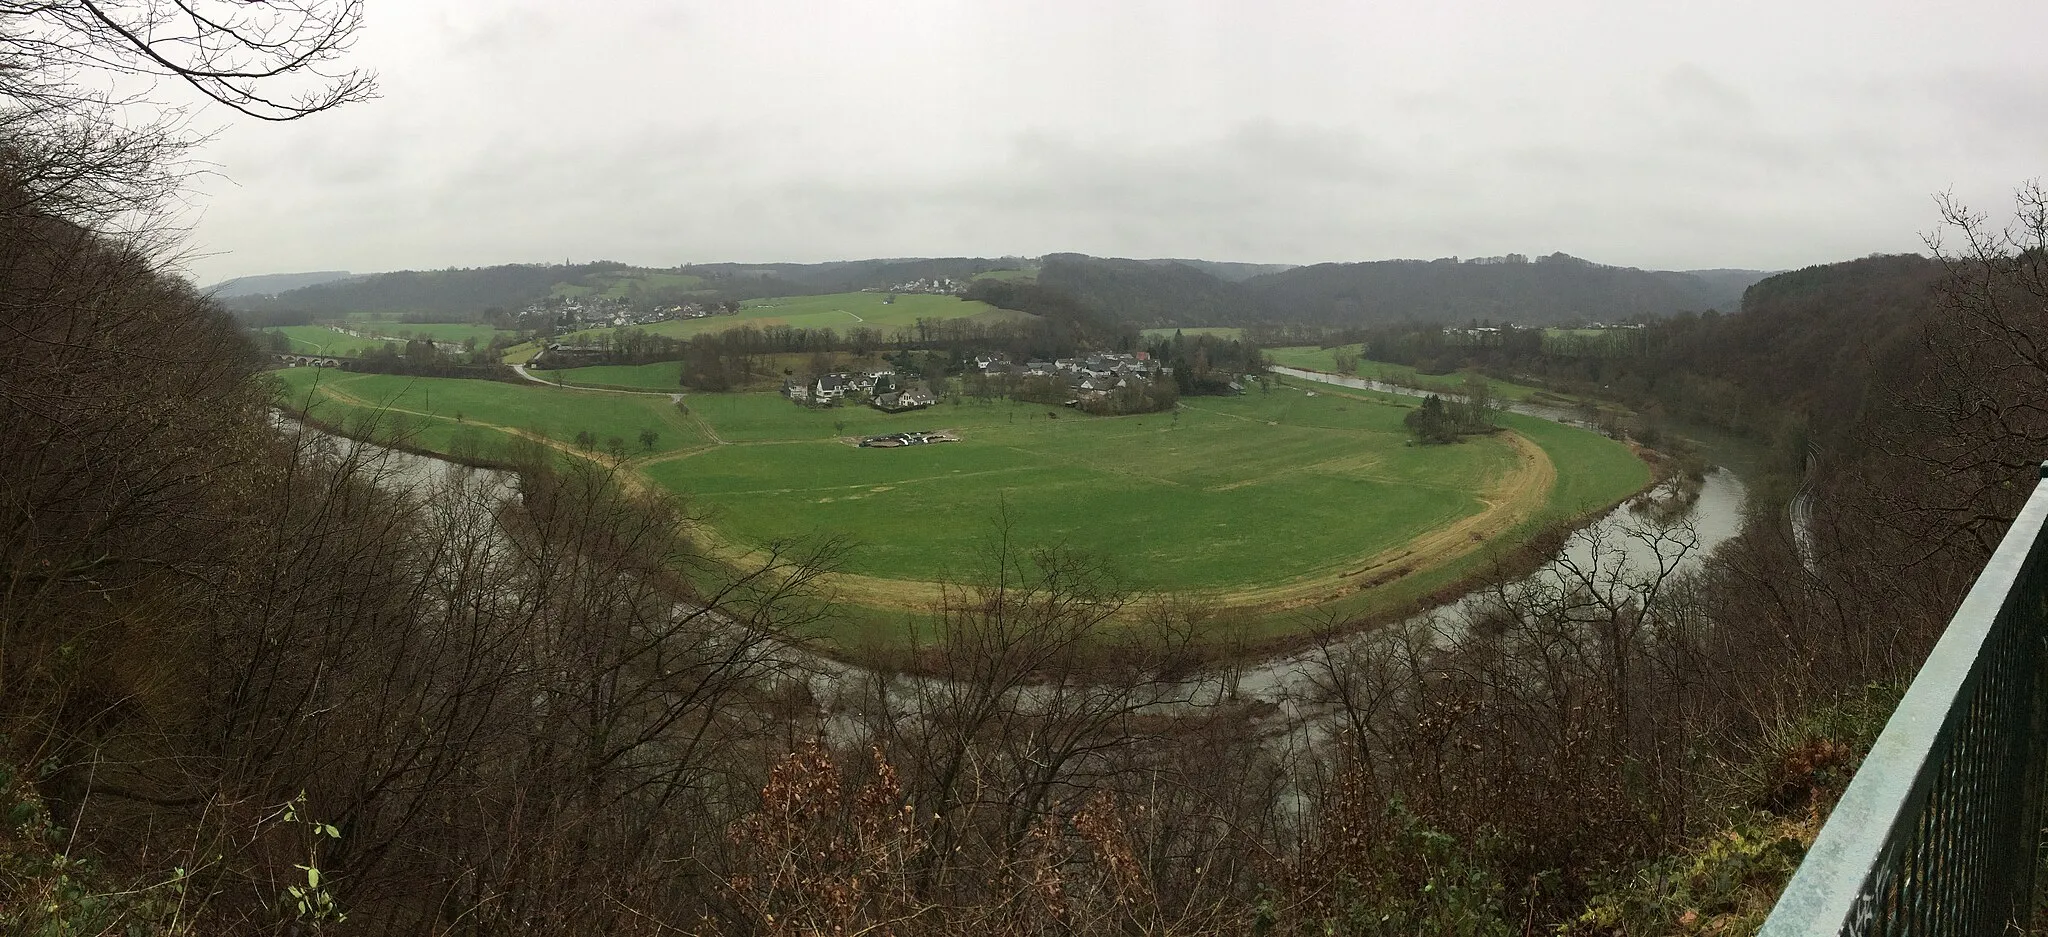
pixel 1078 380
pixel 598 312
pixel 1484 331
pixel 938 285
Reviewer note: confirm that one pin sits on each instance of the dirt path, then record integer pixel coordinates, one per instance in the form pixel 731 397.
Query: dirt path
pixel 703 424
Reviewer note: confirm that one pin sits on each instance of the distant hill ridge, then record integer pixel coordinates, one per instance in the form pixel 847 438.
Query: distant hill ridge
pixel 1546 290
pixel 271 283
pixel 1157 292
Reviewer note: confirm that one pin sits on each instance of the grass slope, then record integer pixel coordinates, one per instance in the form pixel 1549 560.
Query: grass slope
pixel 1237 492
pixel 662 375
pixel 321 340
pixel 627 284
pixel 452 332
pixel 1312 358
pixel 838 311
pixel 1280 499
pixel 495 411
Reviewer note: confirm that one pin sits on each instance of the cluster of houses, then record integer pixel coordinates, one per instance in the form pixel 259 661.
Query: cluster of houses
pixel 1486 331
pixel 1093 376
pixel 877 388
pixel 941 285
pixel 591 313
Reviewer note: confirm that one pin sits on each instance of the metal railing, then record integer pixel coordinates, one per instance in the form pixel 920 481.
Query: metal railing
pixel 1939 832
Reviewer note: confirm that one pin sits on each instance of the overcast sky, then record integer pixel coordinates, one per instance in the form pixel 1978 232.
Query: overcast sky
pixel 1643 133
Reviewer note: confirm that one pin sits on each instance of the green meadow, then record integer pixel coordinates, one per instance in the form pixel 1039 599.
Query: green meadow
pixel 1243 498
pixel 1237 492
pixel 627 284
pixel 321 340
pixel 324 340
pixel 451 332
pixel 438 410
pixel 662 375
pixel 837 311
pixel 1312 358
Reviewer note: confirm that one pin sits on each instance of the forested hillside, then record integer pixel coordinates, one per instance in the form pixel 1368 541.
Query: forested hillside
pixel 459 292
pixel 1546 291
pixel 1146 294
pixel 272 283
pixel 469 291
pixel 1139 293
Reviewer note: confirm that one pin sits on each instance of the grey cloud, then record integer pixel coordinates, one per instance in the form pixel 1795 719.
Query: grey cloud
pixel 657 132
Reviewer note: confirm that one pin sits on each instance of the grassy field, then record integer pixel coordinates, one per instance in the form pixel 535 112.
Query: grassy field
pixel 321 340
pixel 838 311
pixel 1238 492
pixel 1278 500
pixel 627 285
pixel 439 410
pixel 1214 331
pixel 1325 359
pixel 662 375
pixel 451 332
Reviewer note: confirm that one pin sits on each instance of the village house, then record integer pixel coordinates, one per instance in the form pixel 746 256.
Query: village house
pixel 830 387
pixel 900 401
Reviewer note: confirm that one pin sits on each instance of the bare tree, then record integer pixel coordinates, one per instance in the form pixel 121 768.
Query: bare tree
pixel 1983 402
pixel 82 131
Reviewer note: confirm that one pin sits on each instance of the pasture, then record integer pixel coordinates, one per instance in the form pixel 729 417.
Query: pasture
pixel 1303 496
pixel 1240 496
pixel 836 311
pixel 662 376
pixel 1311 358
pixel 454 333
pixel 437 410
pixel 630 285
pixel 373 334
pixel 321 340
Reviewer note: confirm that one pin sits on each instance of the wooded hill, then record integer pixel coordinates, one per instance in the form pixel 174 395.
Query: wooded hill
pixel 1549 290
pixel 273 283
pixel 470 291
pixel 1552 290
